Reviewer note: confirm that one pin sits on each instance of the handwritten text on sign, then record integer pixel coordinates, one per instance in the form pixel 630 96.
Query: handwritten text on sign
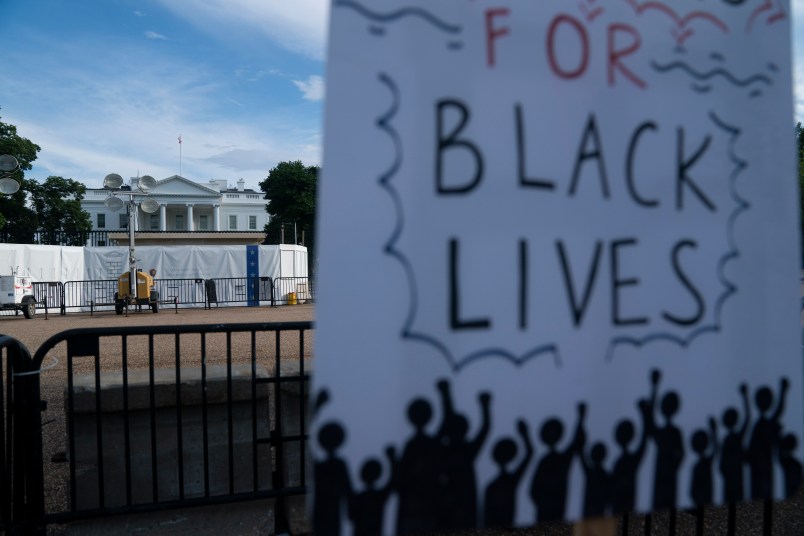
pixel 563 190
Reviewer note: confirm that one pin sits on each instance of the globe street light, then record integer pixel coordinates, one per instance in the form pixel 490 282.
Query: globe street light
pixel 113 182
pixel 8 166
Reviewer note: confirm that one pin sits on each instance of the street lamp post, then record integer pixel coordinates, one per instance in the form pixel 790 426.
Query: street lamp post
pixel 113 182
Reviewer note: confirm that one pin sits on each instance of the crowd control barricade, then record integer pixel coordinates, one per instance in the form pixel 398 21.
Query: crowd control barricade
pixel 49 296
pixel 252 291
pixel 90 295
pixel 21 469
pixel 160 417
pixel 294 290
pixel 190 292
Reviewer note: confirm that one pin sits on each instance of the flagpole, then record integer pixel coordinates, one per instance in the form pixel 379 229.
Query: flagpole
pixel 179 155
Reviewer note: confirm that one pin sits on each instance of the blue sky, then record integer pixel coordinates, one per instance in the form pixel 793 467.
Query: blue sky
pixel 108 85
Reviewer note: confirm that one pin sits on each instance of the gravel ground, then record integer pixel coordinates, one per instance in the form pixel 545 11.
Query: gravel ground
pixel 788 516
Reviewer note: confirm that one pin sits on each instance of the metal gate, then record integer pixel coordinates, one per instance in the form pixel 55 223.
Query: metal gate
pixel 155 418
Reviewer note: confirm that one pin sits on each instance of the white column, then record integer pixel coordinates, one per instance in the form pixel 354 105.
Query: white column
pixel 163 217
pixel 217 223
pixel 190 218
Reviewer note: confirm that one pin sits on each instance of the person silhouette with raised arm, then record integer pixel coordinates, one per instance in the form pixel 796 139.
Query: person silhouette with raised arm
pixel 333 487
pixel 624 473
pixel 548 489
pixel 417 474
pixel 701 487
pixel 500 499
pixel 366 508
pixel 732 454
pixel 321 399
pixel 669 448
pixel 765 439
pixel 459 498
pixel 597 493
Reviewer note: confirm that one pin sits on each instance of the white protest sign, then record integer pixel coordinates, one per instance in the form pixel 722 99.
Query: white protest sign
pixel 559 262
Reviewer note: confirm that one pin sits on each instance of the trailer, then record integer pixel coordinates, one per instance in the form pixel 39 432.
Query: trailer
pixel 16 294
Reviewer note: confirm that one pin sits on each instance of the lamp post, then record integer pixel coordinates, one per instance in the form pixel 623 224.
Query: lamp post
pixel 113 182
pixel 8 166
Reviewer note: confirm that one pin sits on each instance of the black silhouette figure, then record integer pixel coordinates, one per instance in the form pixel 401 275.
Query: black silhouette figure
pixel 500 501
pixel 366 508
pixel 669 448
pixel 417 481
pixel 459 495
pixel 706 447
pixel 732 455
pixel 791 467
pixel 332 487
pixel 765 439
pixel 548 489
pixel 598 482
pixel 624 473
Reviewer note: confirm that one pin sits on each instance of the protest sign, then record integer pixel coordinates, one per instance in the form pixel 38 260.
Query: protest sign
pixel 559 262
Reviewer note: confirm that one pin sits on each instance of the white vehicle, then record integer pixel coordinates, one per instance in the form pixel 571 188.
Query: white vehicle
pixel 16 293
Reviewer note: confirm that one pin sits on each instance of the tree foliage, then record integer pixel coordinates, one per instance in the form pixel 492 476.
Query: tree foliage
pixel 15 216
pixel 291 192
pixel 53 207
pixel 57 203
pixel 23 149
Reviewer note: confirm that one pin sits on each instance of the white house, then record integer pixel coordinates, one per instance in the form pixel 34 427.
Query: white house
pixel 189 213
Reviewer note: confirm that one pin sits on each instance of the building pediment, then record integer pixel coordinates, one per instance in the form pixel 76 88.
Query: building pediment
pixel 177 185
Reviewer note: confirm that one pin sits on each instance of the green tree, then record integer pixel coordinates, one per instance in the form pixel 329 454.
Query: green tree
pixel 57 203
pixel 290 189
pixel 20 221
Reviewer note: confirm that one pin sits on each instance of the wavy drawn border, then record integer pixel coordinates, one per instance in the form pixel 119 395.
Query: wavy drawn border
pixel 733 253
pixel 385 123
pixel 712 73
pixel 400 13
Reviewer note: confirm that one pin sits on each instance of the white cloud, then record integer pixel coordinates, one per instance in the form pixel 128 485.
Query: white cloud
pixel 153 35
pixel 297 25
pixel 312 89
pixel 143 110
pixel 139 13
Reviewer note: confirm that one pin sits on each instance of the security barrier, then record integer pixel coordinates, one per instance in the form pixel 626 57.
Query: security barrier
pixel 98 295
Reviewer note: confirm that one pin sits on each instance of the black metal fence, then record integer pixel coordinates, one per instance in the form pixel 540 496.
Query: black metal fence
pixel 21 470
pixel 169 417
pixel 292 290
pixel 92 295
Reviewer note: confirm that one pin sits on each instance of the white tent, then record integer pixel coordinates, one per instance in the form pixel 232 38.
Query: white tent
pixel 67 263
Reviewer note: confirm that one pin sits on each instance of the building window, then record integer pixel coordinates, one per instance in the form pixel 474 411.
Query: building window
pixel 101 221
pixel 123 221
pixel 203 224
pixel 232 222
pixel 252 223
pixel 180 222
pixel 154 222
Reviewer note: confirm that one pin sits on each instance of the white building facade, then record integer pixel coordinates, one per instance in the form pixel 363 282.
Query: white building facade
pixel 189 213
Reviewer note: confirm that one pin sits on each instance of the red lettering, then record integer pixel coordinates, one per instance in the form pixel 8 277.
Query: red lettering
pixel 493 32
pixel 616 55
pixel 564 19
